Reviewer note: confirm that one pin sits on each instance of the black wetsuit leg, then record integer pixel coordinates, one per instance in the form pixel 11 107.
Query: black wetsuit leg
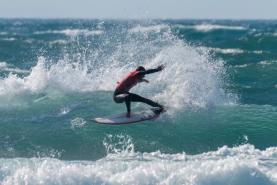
pixel 137 98
pixel 131 97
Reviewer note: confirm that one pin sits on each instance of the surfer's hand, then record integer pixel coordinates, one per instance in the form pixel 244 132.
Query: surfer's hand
pixel 161 67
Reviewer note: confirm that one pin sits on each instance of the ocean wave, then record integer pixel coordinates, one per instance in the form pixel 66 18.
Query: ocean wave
pixel 4 33
pixel 3 64
pixel 29 41
pixel 242 65
pixel 154 28
pixel 260 51
pixel 187 84
pixel 228 50
pixel 236 51
pixel 8 39
pixel 211 27
pixel 192 78
pixel 238 165
pixel 58 42
pixel 8 68
pixel 40 78
pixel 72 32
pixel 266 62
pixel 270 34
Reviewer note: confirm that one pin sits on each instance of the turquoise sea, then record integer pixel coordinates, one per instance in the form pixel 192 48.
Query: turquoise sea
pixel 219 87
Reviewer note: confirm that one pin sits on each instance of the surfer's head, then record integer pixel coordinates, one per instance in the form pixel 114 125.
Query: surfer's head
pixel 140 68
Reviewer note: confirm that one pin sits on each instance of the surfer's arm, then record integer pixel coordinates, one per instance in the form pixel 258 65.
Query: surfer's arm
pixel 144 80
pixel 149 71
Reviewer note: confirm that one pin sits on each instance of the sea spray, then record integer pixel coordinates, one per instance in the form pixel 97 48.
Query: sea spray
pixel 118 144
pixel 192 78
pixel 35 82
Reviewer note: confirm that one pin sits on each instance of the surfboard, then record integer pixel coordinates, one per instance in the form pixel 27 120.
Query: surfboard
pixel 135 117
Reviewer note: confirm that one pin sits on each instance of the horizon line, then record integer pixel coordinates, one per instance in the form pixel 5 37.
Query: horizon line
pixel 138 19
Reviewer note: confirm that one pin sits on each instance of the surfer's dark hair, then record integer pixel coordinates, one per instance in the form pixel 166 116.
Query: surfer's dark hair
pixel 140 68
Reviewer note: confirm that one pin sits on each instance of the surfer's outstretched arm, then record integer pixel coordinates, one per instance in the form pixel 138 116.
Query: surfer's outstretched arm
pixel 149 71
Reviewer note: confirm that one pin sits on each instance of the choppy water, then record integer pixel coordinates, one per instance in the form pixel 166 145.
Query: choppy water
pixel 219 84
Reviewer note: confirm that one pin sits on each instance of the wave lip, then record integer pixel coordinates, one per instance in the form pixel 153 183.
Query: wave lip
pixel 40 78
pixel 192 78
pixel 239 165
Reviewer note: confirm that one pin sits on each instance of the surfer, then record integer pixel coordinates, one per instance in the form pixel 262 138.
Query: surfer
pixel 122 94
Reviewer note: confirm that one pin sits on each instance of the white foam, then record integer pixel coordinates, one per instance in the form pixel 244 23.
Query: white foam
pixel 259 52
pixel 58 42
pixel 3 65
pixel 190 78
pixel 235 166
pixel 211 27
pixel 64 110
pixel 242 66
pixel 154 28
pixel 265 62
pixel 13 85
pixel 273 34
pixel 9 39
pixel 4 33
pixel 60 76
pixel 72 32
pixel 9 68
pixel 77 122
pixel 229 51
pixel 236 51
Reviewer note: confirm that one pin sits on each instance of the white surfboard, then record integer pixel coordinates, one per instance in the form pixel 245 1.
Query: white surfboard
pixel 122 119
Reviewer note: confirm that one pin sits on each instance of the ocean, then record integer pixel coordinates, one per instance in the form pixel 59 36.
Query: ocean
pixel 219 86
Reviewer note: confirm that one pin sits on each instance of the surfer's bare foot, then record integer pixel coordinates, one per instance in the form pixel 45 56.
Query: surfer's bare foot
pixel 128 114
pixel 158 110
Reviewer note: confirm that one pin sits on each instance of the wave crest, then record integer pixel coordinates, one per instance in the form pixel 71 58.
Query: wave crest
pixel 191 77
pixel 239 165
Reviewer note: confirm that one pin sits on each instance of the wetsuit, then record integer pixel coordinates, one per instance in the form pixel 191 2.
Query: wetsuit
pixel 122 93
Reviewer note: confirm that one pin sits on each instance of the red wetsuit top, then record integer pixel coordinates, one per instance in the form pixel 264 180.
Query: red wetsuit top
pixel 129 81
